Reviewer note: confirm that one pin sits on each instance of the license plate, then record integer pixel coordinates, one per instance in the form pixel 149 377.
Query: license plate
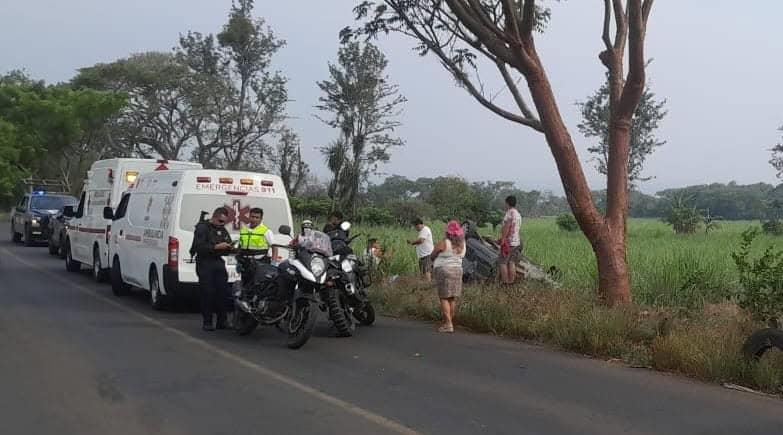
pixel 233 276
pixel 230 261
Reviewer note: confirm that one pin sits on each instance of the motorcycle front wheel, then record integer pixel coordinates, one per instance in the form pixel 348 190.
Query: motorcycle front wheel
pixel 365 314
pixel 301 323
pixel 244 323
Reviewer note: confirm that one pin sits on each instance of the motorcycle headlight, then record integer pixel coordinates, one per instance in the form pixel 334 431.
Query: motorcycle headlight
pixel 346 266
pixel 317 266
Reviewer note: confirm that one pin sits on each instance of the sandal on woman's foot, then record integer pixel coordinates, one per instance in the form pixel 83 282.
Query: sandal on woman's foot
pixel 446 329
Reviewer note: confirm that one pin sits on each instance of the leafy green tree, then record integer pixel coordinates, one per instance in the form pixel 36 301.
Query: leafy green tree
pixel 393 188
pixel 215 98
pixel 596 119
pixel 51 131
pixel 156 120
pixel 363 106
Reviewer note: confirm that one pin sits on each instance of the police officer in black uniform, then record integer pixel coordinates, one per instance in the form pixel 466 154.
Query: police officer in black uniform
pixel 211 242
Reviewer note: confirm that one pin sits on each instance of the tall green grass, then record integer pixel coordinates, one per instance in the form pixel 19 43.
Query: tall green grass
pixel 666 269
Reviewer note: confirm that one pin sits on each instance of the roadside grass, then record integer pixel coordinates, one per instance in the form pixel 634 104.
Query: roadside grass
pixel 703 343
pixel 667 270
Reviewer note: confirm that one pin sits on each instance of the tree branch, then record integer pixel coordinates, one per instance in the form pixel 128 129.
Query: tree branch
pixel 511 20
pixel 607 19
pixel 622 26
pixel 518 58
pixel 515 93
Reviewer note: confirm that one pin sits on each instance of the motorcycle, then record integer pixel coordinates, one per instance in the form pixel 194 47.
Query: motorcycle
pixel 256 293
pixel 345 292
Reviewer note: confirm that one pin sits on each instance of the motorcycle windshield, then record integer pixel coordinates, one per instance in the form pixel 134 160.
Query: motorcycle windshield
pixel 317 242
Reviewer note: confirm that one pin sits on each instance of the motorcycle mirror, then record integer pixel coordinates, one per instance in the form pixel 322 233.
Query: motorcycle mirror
pixel 68 211
pixel 284 230
pixel 345 226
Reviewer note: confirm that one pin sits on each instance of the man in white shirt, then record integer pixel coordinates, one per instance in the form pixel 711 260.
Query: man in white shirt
pixel 424 247
pixel 510 242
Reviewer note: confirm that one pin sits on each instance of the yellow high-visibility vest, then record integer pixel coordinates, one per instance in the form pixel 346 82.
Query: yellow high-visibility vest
pixel 254 238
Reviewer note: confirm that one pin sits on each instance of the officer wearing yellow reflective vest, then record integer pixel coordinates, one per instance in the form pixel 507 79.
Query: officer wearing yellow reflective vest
pixel 256 235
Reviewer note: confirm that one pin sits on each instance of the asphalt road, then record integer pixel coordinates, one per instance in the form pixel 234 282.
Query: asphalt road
pixel 77 360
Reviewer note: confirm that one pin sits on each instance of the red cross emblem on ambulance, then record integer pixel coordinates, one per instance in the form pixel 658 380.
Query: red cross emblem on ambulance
pixel 238 214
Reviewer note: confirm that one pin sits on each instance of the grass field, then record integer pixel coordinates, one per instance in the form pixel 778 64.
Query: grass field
pixel 667 269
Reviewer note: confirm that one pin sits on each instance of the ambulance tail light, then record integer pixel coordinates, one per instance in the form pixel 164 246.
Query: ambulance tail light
pixel 173 252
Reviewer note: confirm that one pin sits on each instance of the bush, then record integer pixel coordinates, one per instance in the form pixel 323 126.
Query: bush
pixel 772 227
pixel 683 218
pixel 761 279
pixel 567 222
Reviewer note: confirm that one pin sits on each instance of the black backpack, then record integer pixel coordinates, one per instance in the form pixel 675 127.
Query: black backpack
pixel 201 221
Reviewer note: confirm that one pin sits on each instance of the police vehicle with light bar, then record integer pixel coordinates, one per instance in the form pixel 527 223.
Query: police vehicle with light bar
pixel 31 217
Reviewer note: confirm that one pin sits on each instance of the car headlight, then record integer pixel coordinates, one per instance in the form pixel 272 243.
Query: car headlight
pixel 317 266
pixel 35 222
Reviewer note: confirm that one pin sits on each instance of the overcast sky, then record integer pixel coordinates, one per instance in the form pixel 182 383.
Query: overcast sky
pixel 717 63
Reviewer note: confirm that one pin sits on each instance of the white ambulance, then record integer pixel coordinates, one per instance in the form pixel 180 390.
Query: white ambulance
pixel 88 232
pixel 152 228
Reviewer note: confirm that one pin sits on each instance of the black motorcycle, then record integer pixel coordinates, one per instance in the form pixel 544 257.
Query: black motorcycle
pixel 345 294
pixel 256 299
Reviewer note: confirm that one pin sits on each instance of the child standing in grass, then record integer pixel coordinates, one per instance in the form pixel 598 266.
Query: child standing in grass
pixel 447 266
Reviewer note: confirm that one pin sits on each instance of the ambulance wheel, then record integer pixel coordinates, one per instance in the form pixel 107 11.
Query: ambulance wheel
pixel 158 300
pixel 118 287
pixel 98 274
pixel 71 265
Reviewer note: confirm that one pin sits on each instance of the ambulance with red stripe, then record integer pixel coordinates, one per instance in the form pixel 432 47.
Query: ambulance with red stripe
pixel 152 228
pixel 88 232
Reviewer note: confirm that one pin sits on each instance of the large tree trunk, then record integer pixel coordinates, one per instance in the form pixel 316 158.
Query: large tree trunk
pixel 614 284
pixel 605 234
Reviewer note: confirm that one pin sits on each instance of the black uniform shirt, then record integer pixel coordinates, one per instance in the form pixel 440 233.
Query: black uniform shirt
pixel 206 237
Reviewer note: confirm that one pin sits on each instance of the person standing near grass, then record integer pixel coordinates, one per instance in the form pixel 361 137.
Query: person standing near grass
pixel 447 266
pixel 424 246
pixel 510 242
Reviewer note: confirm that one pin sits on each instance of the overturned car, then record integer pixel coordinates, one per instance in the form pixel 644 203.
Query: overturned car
pixel 480 262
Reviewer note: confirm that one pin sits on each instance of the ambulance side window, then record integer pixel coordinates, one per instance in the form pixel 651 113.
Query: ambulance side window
pixel 122 208
pixel 80 209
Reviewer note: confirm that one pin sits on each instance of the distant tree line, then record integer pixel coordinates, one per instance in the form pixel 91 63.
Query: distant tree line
pixel 397 200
